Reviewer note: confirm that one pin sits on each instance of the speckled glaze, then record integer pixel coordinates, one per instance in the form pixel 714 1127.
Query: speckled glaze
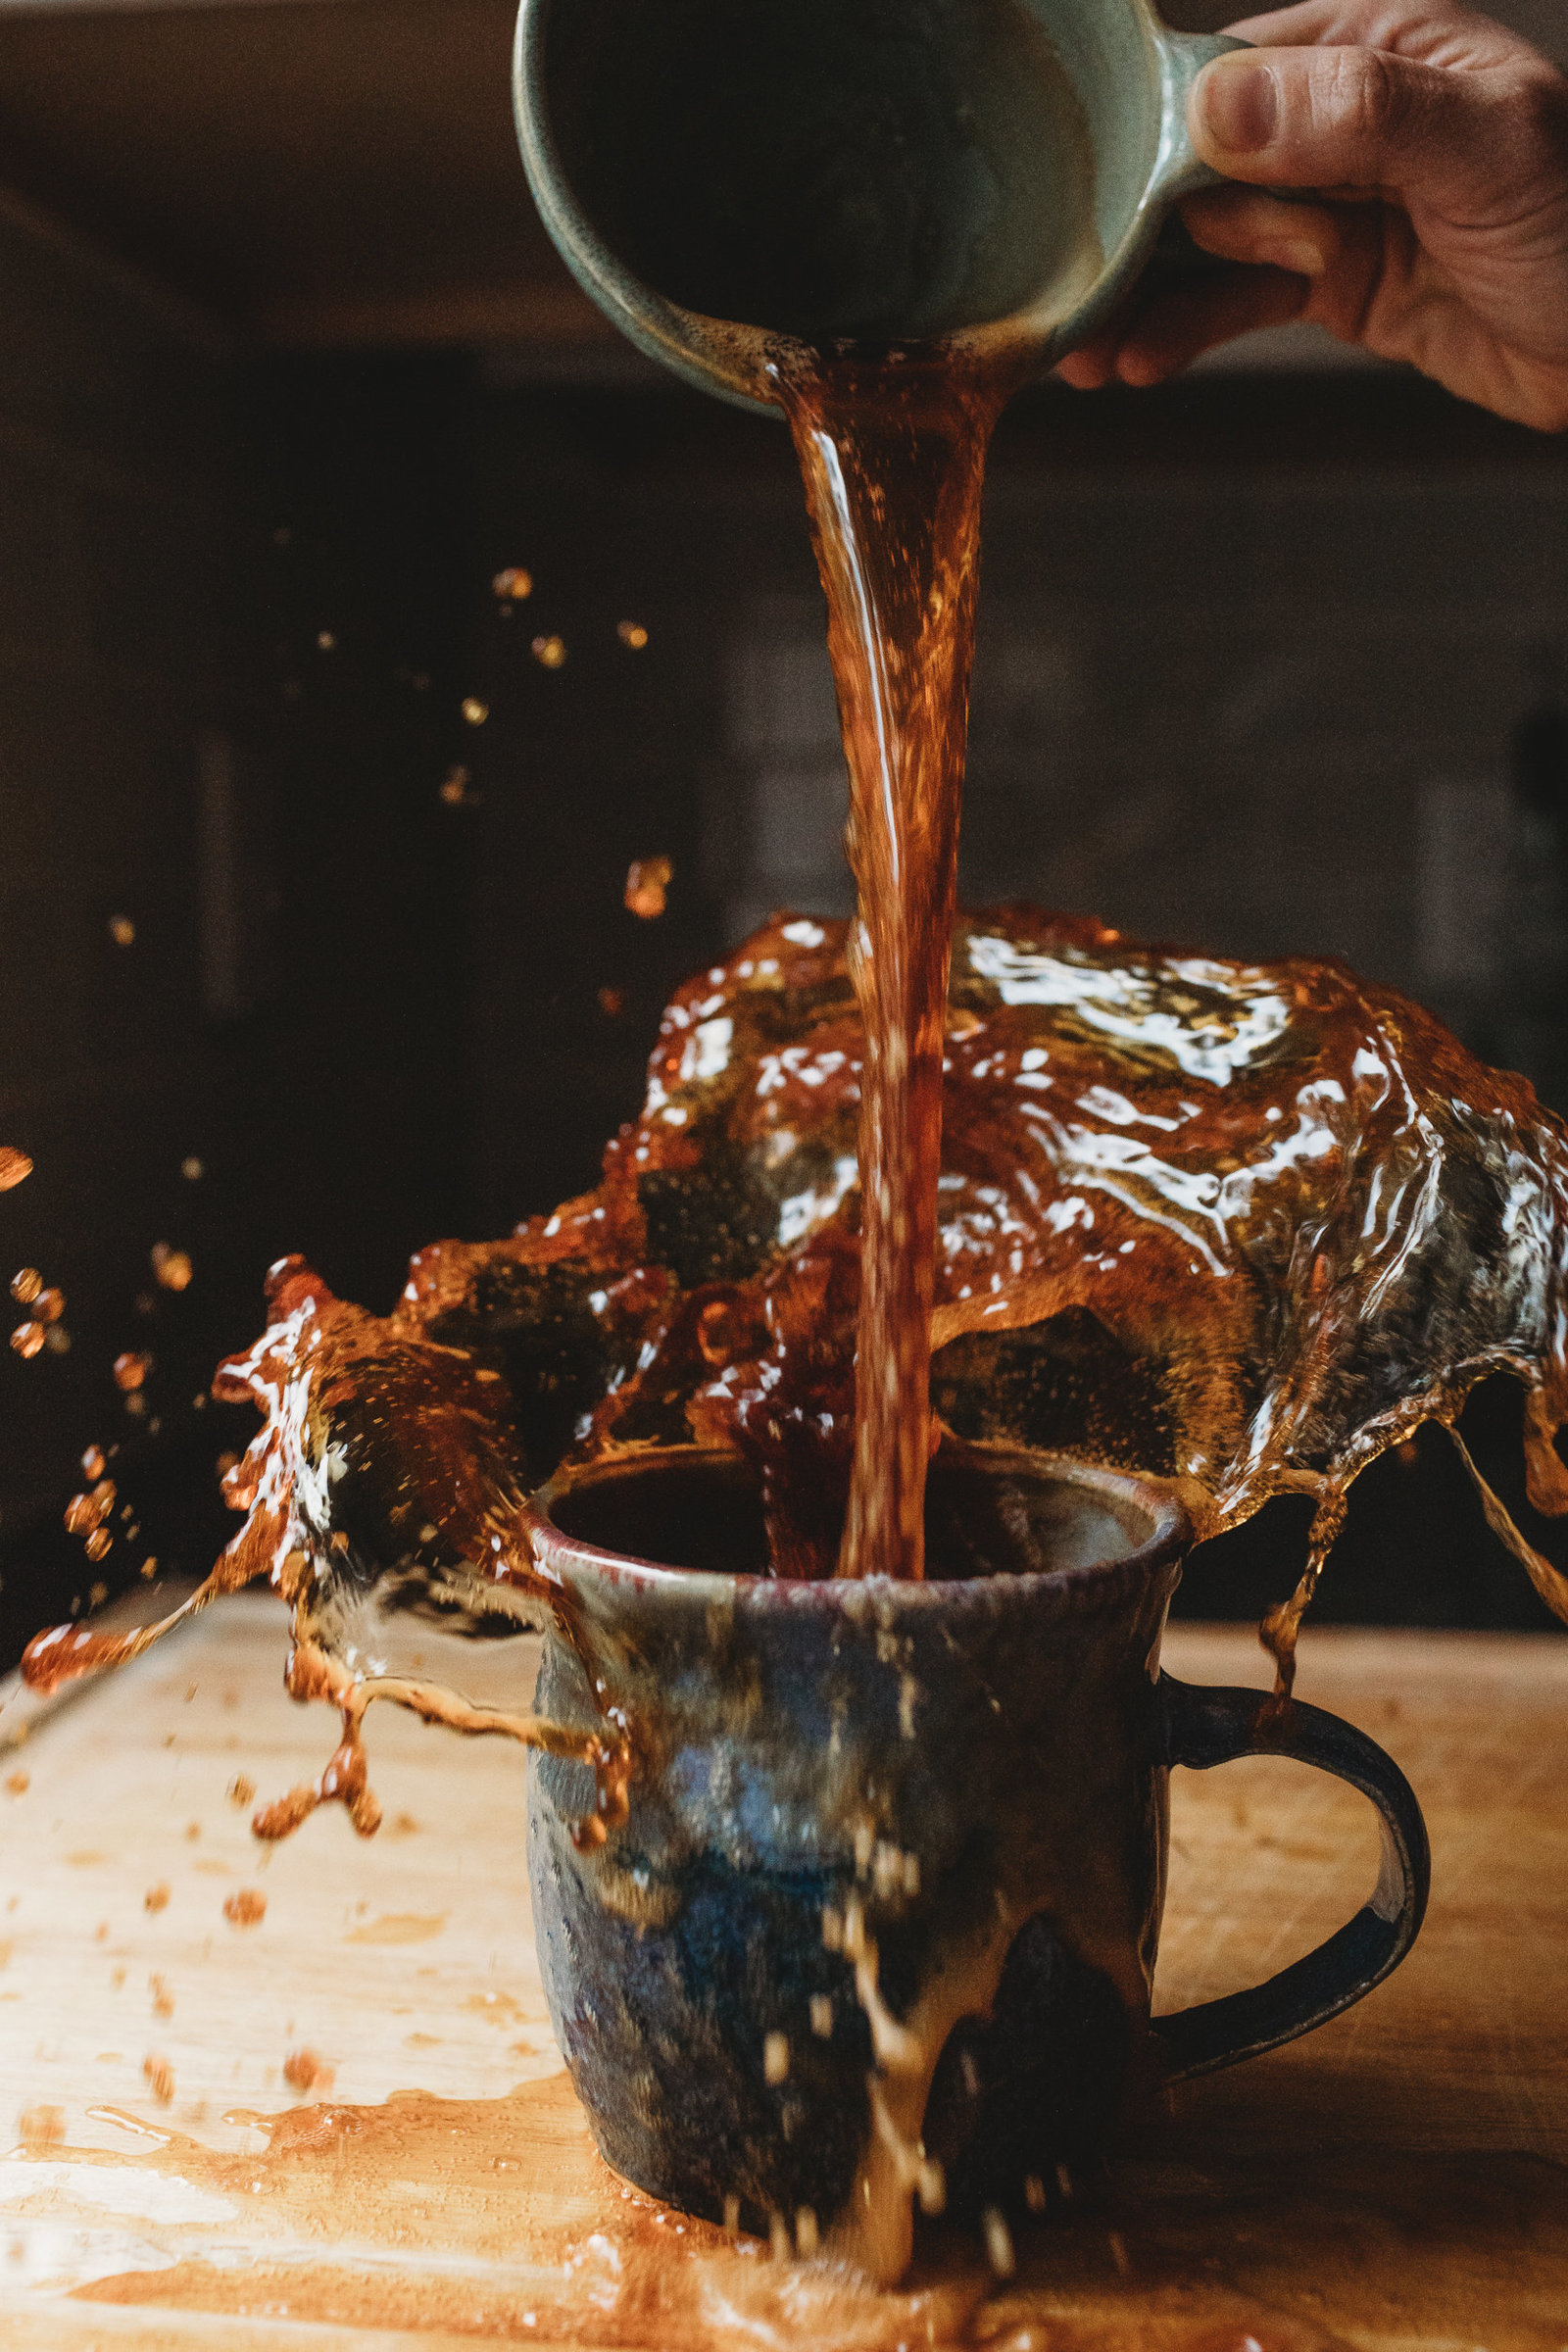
pixel 980 1763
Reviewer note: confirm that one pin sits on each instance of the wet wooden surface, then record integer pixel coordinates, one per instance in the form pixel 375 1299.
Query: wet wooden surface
pixel 1395 2181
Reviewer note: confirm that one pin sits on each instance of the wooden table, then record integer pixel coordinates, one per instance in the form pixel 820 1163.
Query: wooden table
pixel 1396 2180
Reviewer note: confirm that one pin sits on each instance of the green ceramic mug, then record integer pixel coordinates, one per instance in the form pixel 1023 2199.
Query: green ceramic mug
pixel 719 174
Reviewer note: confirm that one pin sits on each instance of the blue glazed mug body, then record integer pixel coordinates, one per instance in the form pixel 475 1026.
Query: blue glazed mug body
pixel 880 1924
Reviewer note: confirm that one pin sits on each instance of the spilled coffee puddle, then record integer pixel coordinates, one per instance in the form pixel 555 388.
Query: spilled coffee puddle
pixel 495 2219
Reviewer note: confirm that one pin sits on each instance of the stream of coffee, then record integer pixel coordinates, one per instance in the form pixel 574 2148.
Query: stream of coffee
pixel 893 457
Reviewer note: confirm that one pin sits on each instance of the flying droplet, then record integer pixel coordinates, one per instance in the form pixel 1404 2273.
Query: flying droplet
pixel 611 1002
pixel 474 711
pixel 92 1462
pixel 57 1339
pixel 25 1285
pixel 455 786
pixel 647 881
pixel 131 1369
pixel 172 1267
pixel 192 1169
pixel 49 1306
pixel 85 1512
pixel 15 1167
pixel 632 633
pixel 513 583
pixel 160 2075
pixel 326 642
pixel 98 1542
pixel 122 930
pixel 27 1338
pixel 549 651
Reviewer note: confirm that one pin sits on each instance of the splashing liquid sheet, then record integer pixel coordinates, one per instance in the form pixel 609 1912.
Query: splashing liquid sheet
pixel 1237 1226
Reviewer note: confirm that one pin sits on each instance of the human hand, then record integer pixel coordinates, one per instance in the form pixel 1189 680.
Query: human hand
pixel 1437 144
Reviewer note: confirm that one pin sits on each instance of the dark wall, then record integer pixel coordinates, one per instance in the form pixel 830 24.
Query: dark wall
pixel 235 628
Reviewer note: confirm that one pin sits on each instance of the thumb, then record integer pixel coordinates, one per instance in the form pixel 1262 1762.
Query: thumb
pixel 1354 119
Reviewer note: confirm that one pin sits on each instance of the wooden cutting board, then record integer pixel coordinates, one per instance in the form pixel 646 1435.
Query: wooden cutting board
pixel 345 2125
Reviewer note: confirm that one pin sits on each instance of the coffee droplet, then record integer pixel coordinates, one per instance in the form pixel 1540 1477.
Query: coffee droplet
pixel 455 787
pixel 25 1285
pixel 247 1907
pixel 122 930
pixel 172 1267
pixel 304 2070
pixel 15 1167
pixel 632 633
pixel 49 1306
pixel 999 2242
pixel 160 2077
pixel 474 711
pixel 98 1542
pixel 326 642
pixel 549 651
pixel 97 1595
pixel 514 584
pixel 191 1168
pixel 611 1002
pixel 27 1338
pixel 647 880
pixel 131 1369
pixel 156 1899
pixel 775 2058
pixel 240 1789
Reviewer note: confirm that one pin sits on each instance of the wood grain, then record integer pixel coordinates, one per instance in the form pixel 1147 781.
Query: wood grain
pixel 1394 2181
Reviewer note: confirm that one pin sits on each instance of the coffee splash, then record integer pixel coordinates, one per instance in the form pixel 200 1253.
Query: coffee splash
pixel 1239 1227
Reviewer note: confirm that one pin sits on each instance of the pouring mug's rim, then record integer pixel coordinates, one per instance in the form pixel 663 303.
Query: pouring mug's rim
pixel 574 1561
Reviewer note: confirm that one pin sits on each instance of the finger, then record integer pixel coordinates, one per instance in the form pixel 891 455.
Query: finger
pixel 1094 363
pixel 1358 118
pixel 1341 250
pixel 1449 36
pixel 1248 224
pixel 1178 327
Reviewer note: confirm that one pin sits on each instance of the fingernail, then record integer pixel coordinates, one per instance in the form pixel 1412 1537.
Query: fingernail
pixel 1237 104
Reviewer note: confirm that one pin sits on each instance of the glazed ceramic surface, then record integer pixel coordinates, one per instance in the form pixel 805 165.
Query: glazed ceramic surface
pixel 882 1918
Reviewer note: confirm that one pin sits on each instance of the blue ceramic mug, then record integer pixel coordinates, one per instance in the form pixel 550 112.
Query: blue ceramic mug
pixel 881 1919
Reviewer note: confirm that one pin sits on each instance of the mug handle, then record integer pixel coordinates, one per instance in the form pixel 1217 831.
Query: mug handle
pixel 1202 1727
pixel 1178 172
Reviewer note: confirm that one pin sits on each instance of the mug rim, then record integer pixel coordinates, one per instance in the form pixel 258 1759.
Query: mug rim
pixel 566 1557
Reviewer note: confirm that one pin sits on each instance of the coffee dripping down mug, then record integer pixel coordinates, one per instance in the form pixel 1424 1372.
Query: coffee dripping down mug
pixel 983 174
pixel 880 1922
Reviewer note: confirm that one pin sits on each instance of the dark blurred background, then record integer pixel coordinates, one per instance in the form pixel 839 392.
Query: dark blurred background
pixel 312 845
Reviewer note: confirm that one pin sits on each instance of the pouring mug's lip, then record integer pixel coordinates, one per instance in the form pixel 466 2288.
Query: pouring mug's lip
pixel 568 1558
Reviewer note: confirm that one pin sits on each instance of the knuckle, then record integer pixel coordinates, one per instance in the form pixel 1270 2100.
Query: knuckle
pixel 1365 101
